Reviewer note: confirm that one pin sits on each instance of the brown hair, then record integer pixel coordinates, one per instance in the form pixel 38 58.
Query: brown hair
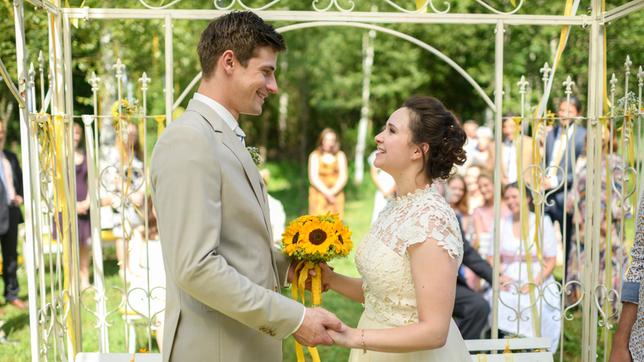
pixel 485 174
pixel 240 31
pixel 137 149
pixel 463 204
pixel 528 194
pixel 325 132
pixel 430 122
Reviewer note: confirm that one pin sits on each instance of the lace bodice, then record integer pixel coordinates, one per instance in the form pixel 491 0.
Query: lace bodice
pixel 382 257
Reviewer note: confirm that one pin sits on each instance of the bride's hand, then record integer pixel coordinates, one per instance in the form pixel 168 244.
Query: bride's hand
pixel 349 337
pixel 327 275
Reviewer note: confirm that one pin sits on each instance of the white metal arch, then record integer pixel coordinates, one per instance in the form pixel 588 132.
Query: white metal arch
pixel 378 28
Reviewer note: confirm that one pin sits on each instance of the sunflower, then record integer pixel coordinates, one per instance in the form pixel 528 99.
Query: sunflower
pixel 343 242
pixel 318 237
pixel 291 235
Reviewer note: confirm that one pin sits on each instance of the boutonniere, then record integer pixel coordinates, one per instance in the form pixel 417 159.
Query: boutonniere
pixel 254 154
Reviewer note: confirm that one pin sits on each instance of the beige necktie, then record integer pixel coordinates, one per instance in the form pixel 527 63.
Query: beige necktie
pixel 241 135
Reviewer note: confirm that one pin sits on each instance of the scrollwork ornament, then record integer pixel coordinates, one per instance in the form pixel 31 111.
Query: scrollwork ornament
pixel 333 3
pixel 159 7
pixel 422 8
pixel 604 295
pixel 566 313
pixel 100 296
pixel 240 3
pixel 496 11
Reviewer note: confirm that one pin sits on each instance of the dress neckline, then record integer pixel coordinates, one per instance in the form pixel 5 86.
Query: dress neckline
pixel 416 193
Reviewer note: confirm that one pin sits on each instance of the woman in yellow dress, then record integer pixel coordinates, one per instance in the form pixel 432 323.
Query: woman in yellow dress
pixel 327 175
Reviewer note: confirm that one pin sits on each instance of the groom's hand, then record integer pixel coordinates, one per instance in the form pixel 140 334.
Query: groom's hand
pixel 313 329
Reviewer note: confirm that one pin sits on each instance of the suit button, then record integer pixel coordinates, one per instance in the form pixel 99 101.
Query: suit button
pixel 267 330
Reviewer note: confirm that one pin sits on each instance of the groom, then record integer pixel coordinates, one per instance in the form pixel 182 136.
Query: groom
pixel 224 277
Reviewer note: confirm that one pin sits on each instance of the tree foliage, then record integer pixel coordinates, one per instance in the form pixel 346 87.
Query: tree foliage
pixel 322 70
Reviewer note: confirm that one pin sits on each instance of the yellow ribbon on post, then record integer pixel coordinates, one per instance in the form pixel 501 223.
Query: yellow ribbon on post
pixel 160 119
pixel 62 216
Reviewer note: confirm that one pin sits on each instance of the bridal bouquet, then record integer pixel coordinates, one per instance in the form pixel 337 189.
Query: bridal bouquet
pixel 312 240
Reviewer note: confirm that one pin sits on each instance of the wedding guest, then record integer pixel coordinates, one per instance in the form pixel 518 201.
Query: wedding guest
pixel 471 310
pixel 414 249
pixel 82 204
pixel 483 216
pixel 511 149
pixel 457 198
pixel 474 197
pixel 564 144
pixel 609 229
pixel 275 209
pixel 11 178
pixel 515 297
pixel 470 128
pixel 126 171
pixel 385 187
pixel 482 155
pixel 327 175
pixel 628 343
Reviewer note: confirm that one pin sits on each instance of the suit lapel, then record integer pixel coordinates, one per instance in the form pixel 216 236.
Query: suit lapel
pixel 231 141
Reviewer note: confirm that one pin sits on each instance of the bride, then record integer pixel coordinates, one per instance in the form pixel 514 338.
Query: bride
pixel 410 258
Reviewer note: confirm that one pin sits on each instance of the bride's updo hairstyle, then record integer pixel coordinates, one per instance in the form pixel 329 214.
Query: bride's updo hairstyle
pixel 431 123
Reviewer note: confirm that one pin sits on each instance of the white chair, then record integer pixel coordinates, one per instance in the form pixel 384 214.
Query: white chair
pixel 117 357
pixel 532 350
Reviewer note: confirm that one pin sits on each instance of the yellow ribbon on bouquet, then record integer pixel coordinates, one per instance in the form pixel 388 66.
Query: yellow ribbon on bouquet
pixel 298 291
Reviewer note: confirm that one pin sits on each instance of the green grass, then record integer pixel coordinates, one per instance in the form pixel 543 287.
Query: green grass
pixel 288 184
pixel 16 326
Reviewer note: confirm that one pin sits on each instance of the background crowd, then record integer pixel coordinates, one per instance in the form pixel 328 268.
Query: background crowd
pixel 528 264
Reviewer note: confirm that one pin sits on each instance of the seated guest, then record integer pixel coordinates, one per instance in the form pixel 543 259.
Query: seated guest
pixel 528 290
pixel 470 308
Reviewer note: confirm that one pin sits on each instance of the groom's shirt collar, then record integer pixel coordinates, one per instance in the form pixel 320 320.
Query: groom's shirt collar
pixel 221 111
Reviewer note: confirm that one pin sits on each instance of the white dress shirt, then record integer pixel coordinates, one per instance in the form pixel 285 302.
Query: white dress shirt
pixel 510 159
pixel 221 111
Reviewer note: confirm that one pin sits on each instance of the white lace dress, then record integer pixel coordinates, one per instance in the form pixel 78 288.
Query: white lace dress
pixel 383 262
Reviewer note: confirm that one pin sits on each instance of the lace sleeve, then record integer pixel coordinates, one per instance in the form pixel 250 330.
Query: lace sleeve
pixel 437 223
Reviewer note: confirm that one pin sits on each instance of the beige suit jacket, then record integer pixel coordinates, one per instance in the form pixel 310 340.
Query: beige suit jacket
pixel 223 300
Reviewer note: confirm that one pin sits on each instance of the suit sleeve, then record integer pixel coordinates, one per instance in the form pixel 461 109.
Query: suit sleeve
pixel 186 181
pixel 283 263
pixel 473 260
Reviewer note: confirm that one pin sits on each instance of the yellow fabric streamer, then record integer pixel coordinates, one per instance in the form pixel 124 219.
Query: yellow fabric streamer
pixel 55 134
pixel 298 290
pixel 160 119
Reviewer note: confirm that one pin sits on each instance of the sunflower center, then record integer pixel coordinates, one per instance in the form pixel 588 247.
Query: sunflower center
pixel 295 237
pixel 317 236
pixel 340 239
